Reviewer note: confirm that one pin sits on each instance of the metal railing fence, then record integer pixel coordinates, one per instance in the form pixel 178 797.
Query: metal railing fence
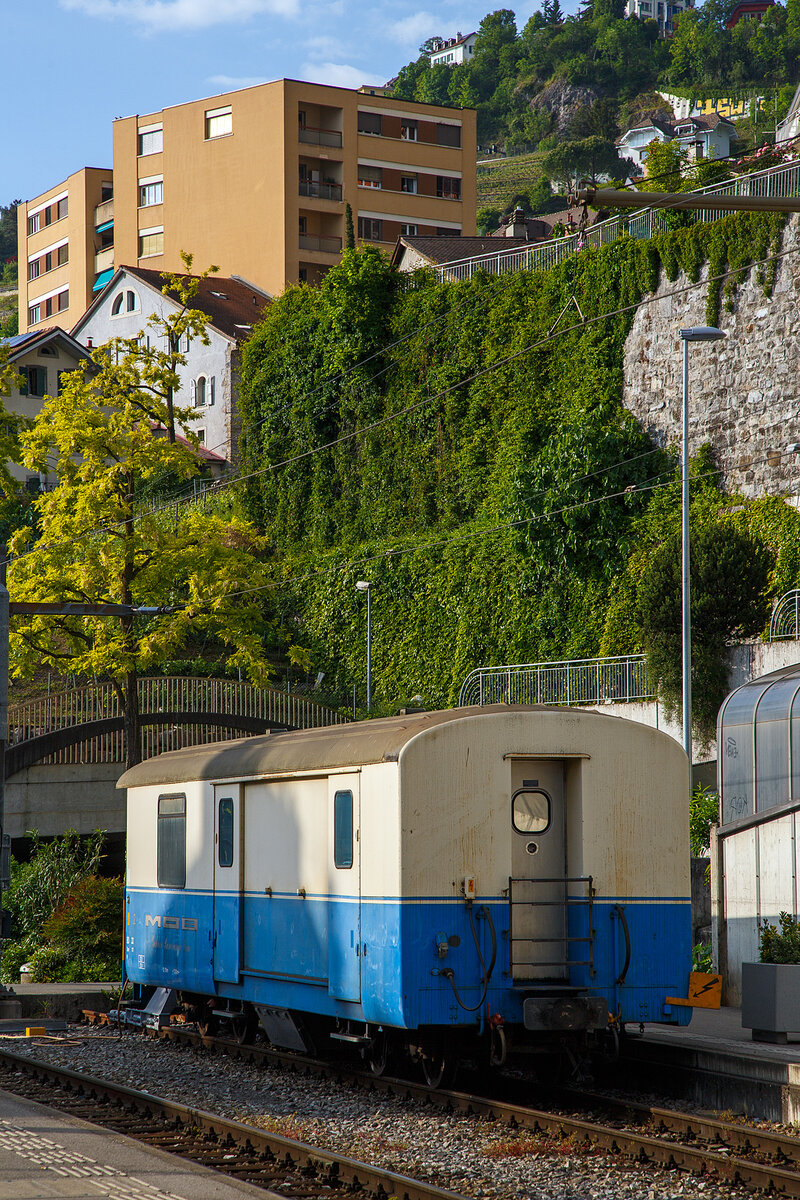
pixel 572 681
pixel 782 180
pixel 784 623
pixel 167 694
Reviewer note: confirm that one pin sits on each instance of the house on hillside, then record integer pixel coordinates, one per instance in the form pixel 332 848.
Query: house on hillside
pixel 635 142
pixel 666 12
pixel 701 137
pixel 451 52
pixel 705 137
pixel 210 379
pixel 40 357
pixel 748 10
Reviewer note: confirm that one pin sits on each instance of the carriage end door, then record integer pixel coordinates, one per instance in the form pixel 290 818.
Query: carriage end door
pixel 227 882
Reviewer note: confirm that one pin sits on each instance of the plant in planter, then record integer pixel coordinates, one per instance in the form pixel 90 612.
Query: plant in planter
pixel 771 987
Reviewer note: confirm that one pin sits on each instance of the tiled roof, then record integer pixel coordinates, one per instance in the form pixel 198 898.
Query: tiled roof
pixel 651 123
pixel 232 305
pixel 440 250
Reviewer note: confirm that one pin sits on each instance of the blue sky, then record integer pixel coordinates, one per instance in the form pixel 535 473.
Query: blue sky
pixel 71 66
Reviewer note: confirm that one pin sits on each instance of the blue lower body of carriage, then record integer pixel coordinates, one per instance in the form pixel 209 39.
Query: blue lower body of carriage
pixel 379 960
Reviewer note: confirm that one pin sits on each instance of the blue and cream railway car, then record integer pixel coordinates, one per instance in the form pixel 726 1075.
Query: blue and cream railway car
pixel 506 876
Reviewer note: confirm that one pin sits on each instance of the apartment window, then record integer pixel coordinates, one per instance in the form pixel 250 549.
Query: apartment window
pixel 370 229
pixel 151 241
pixel 370 176
pixel 34 268
pixel 301 118
pixel 63 300
pixel 199 390
pixel 150 141
pixel 369 123
pixel 63 255
pixel 448 188
pixel 408 231
pixel 408 130
pixel 219 122
pixel 151 192
pixel 34 223
pixel 408 183
pixel 302 275
pixel 62 208
pixel 448 135
pixel 201 436
pixel 302 226
pixel 34 314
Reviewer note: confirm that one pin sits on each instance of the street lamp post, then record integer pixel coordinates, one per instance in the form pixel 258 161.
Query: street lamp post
pixel 364 585
pixel 696 333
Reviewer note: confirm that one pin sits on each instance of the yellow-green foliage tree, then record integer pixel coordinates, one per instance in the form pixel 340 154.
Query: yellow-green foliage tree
pixel 98 540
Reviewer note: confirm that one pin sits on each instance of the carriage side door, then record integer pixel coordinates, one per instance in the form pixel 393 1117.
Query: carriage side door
pixel 227 882
pixel 344 887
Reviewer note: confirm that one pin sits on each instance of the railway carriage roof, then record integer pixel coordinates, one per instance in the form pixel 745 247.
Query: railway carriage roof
pixel 354 744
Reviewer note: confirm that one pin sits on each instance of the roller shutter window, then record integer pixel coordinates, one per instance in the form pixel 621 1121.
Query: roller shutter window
pixel 448 135
pixel 370 123
pixel 171 848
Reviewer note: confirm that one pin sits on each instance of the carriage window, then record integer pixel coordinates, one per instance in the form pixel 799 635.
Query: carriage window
pixel 171 853
pixel 343 829
pixel 226 833
pixel 531 811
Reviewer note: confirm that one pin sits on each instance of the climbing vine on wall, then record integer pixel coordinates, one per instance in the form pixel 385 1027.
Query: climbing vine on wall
pixel 497 495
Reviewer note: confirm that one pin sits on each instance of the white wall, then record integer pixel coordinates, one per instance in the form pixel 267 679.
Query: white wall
pixel 212 360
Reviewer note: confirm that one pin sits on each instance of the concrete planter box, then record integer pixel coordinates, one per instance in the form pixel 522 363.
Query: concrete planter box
pixel 771 1000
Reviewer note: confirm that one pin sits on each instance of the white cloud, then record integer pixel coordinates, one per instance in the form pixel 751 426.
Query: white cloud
pixel 325 47
pixel 337 74
pixel 233 82
pixel 413 30
pixel 161 15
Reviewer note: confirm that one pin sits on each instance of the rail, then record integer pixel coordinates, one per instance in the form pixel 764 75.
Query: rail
pixel 319 137
pixel 320 191
pixel 174 694
pixel 572 681
pixel 783 180
pixel 784 623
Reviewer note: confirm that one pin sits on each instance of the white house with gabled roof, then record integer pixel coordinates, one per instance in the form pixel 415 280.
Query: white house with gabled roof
pixel 451 52
pixel 210 378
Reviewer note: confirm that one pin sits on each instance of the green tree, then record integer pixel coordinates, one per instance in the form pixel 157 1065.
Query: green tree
pixel 349 231
pixel 8 230
pixel 665 164
pixel 729 576
pixel 588 158
pixel 488 219
pixel 100 543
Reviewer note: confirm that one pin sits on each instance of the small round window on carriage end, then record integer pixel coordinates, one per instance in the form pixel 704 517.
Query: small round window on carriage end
pixel 531 811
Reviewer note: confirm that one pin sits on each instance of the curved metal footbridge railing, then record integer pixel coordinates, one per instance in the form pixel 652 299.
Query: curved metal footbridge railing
pixel 571 681
pixel 85 724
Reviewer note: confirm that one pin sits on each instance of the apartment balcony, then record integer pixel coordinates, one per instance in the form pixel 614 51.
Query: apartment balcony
pixel 104 213
pixel 327 245
pixel 103 260
pixel 320 191
pixel 320 137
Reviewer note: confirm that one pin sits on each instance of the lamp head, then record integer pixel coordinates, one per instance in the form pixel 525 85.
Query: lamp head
pixel 363 585
pixel 702 333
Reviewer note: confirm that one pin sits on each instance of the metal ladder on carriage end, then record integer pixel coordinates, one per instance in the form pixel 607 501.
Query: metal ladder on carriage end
pixel 559 980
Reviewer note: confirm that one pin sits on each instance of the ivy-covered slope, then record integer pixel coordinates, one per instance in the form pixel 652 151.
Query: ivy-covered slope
pixel 498 496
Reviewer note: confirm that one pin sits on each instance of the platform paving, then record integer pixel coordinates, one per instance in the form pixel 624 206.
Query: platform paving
pixel 47 1155
pixel 715 1063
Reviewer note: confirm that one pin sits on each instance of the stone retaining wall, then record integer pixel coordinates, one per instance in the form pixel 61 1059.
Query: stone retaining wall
pixel 744 392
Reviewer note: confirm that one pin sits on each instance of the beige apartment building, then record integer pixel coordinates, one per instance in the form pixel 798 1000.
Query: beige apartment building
pixel 256 182
pixel 60 249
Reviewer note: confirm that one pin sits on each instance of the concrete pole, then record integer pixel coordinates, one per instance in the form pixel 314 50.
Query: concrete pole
pixel 369 649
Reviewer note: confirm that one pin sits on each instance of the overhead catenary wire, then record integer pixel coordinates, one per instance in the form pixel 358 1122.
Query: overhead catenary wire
pixel 464 381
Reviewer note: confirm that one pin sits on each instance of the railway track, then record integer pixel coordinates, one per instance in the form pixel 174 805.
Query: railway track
pixel 736 1152
pixel 292 1168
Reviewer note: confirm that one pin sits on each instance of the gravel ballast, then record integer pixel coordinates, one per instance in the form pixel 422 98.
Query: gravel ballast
pixel 478 1158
